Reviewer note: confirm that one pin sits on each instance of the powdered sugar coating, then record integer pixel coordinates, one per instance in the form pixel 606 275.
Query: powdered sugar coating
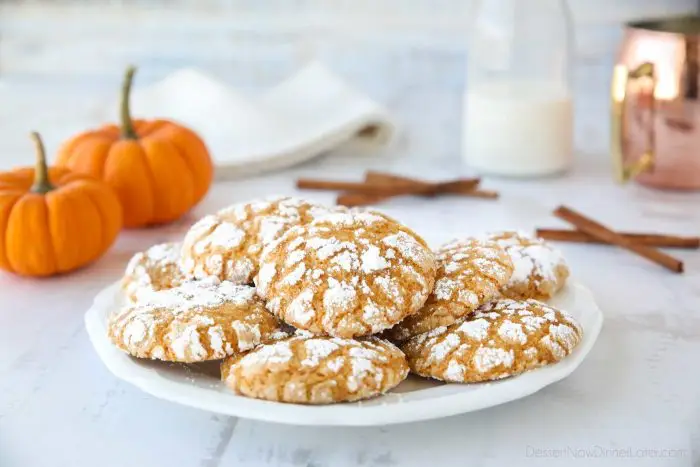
pixel 539 271
pixel 228 244
pixel 196 321
pixel 316 370
pixel 470 273
pixel 155 269
pixel 501 339
pixel 333 276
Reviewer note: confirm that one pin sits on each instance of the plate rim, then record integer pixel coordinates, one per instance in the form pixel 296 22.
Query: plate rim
pixel 344 414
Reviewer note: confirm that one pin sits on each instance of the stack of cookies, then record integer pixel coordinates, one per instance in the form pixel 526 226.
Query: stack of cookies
pixel 311 304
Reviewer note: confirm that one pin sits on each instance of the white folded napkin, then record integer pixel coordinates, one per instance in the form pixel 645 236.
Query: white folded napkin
pixel 308 114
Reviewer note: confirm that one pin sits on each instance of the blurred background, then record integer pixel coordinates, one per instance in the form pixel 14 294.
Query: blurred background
pixel 61 59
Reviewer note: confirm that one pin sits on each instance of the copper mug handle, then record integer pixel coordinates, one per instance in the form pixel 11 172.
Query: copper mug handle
pixel 618 93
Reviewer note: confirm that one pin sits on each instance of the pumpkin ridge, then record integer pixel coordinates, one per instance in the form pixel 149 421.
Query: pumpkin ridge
pixel 180 151
pixel 151 127
pixel 105 242
pixel 151 180
pixel 6 190
pixel 18 179
pixel 47 222
pixel 113 162
pixel 203 174
pixel 6 239
pixel 162 149
pixel 4 261
pixel 102 226
pixel 66 152
pixel 91 154
pixel 29 204
pixel 108 208
pixel 51 200
pixel 91 215
pixel 190 171
pixel 62 176
pixel 159 126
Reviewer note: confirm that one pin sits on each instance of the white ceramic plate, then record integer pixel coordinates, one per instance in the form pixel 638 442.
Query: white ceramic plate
pixel 415 399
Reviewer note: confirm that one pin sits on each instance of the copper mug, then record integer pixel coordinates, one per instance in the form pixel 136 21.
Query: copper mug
pixel 656 104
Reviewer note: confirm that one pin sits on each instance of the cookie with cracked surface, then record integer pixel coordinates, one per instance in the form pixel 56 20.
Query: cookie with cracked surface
pixel 346 274
pixel 316 370
pixel 502 339
pixel 540 270
pixel 194 322
pixel 470 273
pixel 228 244
pixel 155 269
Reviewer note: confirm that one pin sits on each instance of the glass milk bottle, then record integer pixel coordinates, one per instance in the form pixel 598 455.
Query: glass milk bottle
pixel 518 111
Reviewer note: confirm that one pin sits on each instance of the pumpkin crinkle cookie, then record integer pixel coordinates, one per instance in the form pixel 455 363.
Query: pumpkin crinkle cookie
pixel 501 339
pixel 540 270
pixel 316 370
pixel 193 322
pixel 228 244
pixel 470 273
pixel 155 269
pixel 346 274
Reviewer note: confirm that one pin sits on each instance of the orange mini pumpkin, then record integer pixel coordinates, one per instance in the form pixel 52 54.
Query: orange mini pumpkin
pixel 54 220
pixel 158 168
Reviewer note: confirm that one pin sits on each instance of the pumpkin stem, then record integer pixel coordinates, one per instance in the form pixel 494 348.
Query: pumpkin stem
pixel 42 184
pixel 128 131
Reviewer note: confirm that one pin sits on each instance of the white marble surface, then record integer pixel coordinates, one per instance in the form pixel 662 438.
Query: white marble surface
pixel 638 393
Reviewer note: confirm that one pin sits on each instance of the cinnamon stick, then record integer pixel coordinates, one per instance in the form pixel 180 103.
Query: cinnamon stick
pixel 358 199
pixel 601 232
pixel 485 194
pixel 459 186
pixel 339 185
pixel 355 199
pixel 657 240
pixel 464 187
pixel 385 189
